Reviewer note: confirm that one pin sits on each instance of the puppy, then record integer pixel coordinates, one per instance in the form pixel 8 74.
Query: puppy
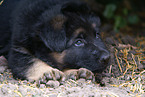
pixel 56 40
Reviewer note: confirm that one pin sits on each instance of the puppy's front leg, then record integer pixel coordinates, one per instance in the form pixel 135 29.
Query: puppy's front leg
pixel 25 66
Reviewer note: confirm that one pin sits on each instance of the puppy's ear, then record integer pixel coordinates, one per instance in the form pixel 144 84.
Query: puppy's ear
pixel 75 8
pixel 52 34
pixel 58 21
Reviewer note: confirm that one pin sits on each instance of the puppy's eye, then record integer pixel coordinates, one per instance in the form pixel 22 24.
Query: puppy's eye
pixel 79 43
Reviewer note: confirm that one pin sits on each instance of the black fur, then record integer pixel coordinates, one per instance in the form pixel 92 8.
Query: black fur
pixel 5 33
pixel 41 28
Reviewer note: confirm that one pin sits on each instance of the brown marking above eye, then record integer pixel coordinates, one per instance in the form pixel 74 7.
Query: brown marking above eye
pixel 76 34
pixel 78 31
pixel 58 21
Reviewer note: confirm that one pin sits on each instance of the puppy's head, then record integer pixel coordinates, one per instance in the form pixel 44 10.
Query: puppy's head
pixel 84 46
pixel 74 39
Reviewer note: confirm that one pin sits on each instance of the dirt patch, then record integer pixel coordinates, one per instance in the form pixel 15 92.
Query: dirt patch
pixel 81 88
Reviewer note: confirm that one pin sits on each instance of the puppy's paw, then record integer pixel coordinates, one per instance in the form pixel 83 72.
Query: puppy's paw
pixel 49 78
pixel 42 73
pixel 76 74
pixel 86 74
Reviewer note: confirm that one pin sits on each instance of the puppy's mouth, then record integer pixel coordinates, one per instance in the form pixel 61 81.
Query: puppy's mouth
pixel 102 65
pixel 101 68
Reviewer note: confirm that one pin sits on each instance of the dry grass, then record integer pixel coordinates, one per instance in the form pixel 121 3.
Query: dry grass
pixel 131 66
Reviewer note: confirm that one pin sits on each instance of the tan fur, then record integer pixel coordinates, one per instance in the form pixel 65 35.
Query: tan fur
pixel 38 69
pixel 68 71
pixel 78 31
pixel 58 21
pixel 59 56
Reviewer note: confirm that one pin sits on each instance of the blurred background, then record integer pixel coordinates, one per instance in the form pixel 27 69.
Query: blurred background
pixel 125 16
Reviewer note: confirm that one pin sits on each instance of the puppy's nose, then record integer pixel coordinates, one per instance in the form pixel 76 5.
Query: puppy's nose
pixel 104 58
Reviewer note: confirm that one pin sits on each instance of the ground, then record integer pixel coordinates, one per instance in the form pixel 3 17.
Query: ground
pixel 125 77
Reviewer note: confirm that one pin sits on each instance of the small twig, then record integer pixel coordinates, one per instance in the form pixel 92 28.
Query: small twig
pixel 142 72
pixel 117 60
pixel 127 46
pixel 1 2
pixel 110 68
pixel 73 81
pixel 112 94
pixel 125 71
pixel 18 93
pixel 134 60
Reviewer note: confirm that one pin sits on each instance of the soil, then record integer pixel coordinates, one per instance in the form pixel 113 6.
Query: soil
pixel 125 77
